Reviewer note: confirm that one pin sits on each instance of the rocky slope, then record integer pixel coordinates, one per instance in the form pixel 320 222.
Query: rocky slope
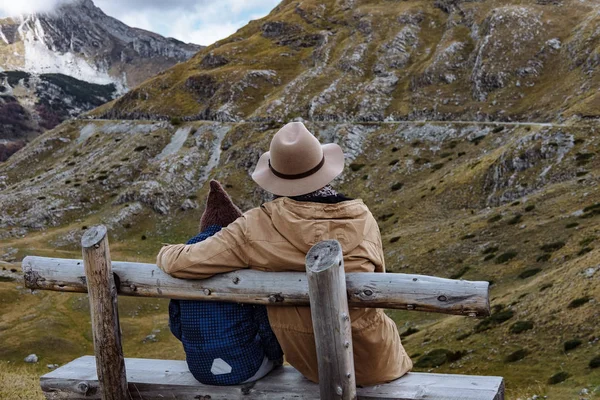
pixel 346 60
pixel 515 204
pixel 32 103
pixel 77 39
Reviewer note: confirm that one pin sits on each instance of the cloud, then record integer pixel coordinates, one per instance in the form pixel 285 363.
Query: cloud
pixel 196 21
pixel 13 8
pixel 201 22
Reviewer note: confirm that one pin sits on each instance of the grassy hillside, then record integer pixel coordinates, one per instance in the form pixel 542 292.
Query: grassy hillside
pixel 513 204
pixel 375 60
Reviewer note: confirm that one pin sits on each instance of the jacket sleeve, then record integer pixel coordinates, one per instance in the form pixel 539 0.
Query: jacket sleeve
pixel 226 251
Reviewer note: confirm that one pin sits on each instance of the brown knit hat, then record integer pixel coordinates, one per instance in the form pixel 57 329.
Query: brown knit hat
pixel 220 210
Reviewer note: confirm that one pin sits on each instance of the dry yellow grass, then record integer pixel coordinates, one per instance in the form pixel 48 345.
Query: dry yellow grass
pixel 19 382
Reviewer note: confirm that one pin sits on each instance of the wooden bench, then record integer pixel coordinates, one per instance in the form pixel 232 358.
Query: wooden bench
pixel 324 287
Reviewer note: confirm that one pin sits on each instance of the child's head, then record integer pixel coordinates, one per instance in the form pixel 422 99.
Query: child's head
pixel 219 210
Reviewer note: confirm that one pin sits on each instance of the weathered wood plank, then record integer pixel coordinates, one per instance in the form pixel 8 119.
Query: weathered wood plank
pixel 398 291
pixel 169 379
pixel 105 314
pixel 331 321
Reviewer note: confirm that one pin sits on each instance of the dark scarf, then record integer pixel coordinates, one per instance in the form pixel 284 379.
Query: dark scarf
pixel 326 195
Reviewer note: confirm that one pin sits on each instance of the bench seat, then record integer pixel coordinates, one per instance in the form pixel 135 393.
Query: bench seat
pixel 150 379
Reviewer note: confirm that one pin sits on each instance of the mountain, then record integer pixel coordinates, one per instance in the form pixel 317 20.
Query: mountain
pixel 32 103
pixel 77 39
pixel 60 64
pixel 349 60
pixel 514 203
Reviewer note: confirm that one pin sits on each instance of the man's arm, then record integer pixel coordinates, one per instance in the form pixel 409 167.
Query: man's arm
pixel 226 251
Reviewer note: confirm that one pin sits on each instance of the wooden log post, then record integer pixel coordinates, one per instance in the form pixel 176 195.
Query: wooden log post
pixel 331 321
pixel 110 364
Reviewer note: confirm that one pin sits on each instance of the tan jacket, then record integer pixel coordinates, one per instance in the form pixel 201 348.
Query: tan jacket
pixel 276 237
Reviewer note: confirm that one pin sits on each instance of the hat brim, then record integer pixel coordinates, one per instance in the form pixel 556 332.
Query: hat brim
pixel 333 166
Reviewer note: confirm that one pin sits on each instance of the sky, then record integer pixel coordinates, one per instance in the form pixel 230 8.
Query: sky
pixel 195 21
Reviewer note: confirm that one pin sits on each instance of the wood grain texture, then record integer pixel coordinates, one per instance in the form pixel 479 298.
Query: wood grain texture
pixel 105 315
pixel 331 321
pixel 163 379
pixel 397 291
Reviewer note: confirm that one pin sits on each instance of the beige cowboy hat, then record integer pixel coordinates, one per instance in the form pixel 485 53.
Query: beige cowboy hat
pixel 297 163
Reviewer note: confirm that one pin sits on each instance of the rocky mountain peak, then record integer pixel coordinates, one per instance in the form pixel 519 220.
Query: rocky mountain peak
pixel 78 39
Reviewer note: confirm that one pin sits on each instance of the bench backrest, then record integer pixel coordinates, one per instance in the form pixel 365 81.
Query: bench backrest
pixel 325 286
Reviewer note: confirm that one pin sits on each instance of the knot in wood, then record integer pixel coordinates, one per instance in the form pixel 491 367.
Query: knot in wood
pixel 368 292
pixel 206 292
pixel 348 375
pixel 276 298
pixel 415 279
pixel 133 287
pixel 442 298
pixel 410 307
pixel 83 387
pixel 236 280
pixel 345 317
pixel 346 344
pixel 338 390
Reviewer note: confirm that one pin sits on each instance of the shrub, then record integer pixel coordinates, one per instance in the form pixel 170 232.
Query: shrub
pixel 558 378
pixel 529 273
pixel 409 332
pixel 520 326
pixel 516 356
pixel 490 250
pixel 437 357
pixel 494 320
pixel 175 121
pixel 385 217
pixel 579 302
pixel 530 207
pixel 477 140
pixel 394 149
pixel 394 239
pixel 515 220
pixel 393 162
pixel 543 257
pixel 505 257
pixel 572 225
pixel 585 250
pixel 438 166
pixel 595 362
pixel 495 218
pixel 545 286
pixel 583 158
pixel 467 236
pixel 396 186
pixel 593 207
pixel 587 241
pixel 579 174
pixel 498 129
pixel 551 247
pixel 489 257
pixel 572 344
pixel 356 167
pixel 463 336
pixel 140 148
pixel 460 273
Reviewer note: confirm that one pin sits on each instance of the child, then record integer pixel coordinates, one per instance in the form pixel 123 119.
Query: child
pixel 224 343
